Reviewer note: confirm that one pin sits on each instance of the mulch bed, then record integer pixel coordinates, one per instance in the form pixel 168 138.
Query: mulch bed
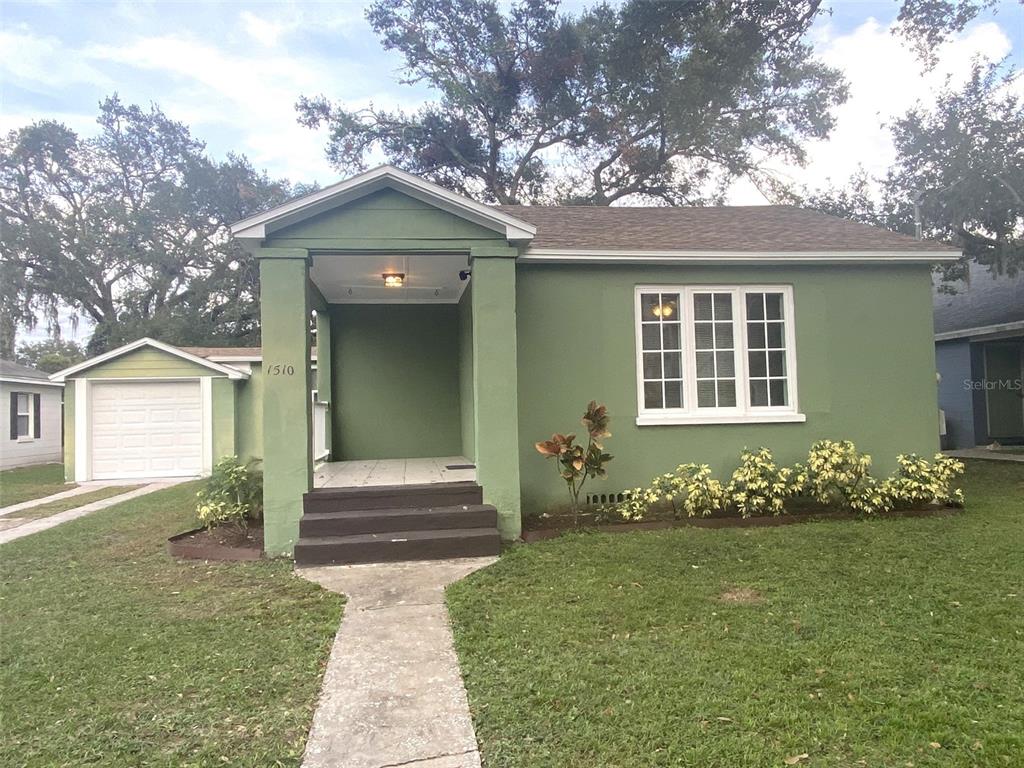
pixel 222 543
pixel 541 528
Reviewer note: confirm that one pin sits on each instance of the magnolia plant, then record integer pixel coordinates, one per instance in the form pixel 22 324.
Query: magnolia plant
pixel 575 462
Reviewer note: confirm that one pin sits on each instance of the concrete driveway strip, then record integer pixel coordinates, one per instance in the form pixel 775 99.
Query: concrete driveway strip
pixel 76 491
pixel 392 693
pixel 34 526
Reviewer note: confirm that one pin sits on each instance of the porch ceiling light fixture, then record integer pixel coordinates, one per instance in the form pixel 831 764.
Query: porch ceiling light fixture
pixel 394 279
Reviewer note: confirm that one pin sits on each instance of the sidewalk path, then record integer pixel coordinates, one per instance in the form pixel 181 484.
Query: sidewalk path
pixel 34 526
pixel 392 693
pixel 985 453
pixel 78 490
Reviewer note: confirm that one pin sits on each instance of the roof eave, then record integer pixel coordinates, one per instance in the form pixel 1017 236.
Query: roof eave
pixel 30 381
pixel 614 256
pixel 983 331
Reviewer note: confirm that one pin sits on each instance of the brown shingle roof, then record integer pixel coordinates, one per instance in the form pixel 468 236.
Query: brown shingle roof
pixel 714 228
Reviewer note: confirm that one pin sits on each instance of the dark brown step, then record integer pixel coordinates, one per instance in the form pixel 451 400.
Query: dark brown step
pixel 393 497
pixel 349 522
pixel 397 546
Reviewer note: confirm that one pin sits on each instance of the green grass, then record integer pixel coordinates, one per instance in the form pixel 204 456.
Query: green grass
pixel 115 654
pixel 73 502
pixel 890 642
pixel 27 483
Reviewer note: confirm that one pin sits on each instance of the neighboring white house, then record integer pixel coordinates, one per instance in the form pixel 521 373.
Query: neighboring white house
pixel 33 435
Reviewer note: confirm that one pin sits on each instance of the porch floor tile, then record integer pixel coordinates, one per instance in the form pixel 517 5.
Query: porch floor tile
pixel 371 472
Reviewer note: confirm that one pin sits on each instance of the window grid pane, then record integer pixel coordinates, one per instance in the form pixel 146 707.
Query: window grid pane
pixel 24 414
pixel 766 350
pixel 715 350
pixel 713 369
pixel 661 336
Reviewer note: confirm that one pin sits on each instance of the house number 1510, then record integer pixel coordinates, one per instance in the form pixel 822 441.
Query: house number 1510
pixel 281 370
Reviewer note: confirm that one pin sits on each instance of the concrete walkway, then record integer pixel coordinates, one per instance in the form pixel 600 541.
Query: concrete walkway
pixel 78 490
pixel 392 693
pixel 41 524
pixel 985 453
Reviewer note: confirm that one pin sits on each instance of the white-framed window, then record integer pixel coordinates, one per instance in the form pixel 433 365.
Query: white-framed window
pixel 24 416
pixel 715 353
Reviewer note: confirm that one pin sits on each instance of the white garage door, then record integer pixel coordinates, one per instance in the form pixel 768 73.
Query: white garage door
pixel 146 429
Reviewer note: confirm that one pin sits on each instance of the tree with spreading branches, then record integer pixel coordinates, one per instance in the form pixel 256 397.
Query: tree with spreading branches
pixel 129 229
pixel 652 101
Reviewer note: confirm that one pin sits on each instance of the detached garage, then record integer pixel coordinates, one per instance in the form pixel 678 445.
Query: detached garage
pixel 149 410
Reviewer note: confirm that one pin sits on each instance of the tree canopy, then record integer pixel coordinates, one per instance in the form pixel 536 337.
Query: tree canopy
pixel 50 355
pixel 128 228
pixel 960 163
pixel 652 101
pixel 926 24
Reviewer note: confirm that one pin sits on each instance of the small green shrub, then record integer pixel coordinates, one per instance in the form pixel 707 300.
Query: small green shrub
pixel 919 481
pixel 690 490
pixel 232 496
pixel 760 487
pixel 839 476
pixel 634 507
pixel 836 475
pixel 699 494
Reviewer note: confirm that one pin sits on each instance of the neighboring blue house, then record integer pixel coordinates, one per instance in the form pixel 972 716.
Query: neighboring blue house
pixel 979 353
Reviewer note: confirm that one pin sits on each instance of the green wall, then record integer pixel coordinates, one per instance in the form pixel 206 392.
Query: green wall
pixel 466 400
pixel 249 415
pixel 384 219
pixel 865 363
pixel 396 381
pixel 224 418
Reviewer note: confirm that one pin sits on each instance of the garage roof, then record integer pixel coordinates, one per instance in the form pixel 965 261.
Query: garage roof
pixel 231 373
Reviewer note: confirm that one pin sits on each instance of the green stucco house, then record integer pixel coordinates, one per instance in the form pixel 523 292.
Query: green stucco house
pixel 411 328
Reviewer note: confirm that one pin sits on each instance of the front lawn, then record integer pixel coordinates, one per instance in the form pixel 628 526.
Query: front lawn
pixel 26 483
pixel 893 642
pixel 114 654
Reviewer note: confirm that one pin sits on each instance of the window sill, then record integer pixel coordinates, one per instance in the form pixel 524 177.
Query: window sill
pixel 656 420
pixel 25 439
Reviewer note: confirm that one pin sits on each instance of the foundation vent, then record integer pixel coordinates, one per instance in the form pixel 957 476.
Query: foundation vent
pixel 597 499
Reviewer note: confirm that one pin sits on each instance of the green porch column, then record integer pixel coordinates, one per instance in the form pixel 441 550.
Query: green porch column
pixel 495 386
pixel 287 428
pixel 324 372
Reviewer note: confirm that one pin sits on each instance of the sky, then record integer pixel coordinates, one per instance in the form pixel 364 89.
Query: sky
pixel 233 72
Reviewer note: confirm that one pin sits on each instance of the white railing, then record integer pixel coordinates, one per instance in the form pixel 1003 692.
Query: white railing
pixel 320 428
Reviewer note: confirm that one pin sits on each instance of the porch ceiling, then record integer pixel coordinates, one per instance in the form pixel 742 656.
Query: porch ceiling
pixel 430 278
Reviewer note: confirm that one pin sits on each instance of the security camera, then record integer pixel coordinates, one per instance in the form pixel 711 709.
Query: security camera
pixel 464 274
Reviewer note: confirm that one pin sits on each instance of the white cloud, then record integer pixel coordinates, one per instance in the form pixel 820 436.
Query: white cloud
pixel 262 30
pixel 885 80
pixel 34 60
pixel 251 96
